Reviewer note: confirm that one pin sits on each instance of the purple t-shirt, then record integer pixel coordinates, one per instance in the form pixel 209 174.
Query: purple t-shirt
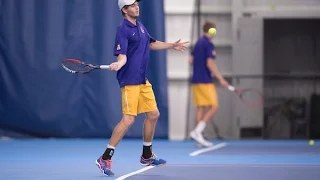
pixel 203 50
pixel 133 41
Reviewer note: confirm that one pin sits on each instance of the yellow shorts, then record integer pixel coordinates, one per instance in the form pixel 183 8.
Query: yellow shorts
pixel 204 95
pixel 138 99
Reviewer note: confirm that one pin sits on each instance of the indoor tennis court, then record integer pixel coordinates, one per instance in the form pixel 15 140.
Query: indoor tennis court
pixel 241 74
pixel 247 160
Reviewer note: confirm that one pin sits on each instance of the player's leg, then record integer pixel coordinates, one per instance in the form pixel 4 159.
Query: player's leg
pixel 212 103
pixel 148 105
pixel 118 132
pixel 200 112
pixel 212 107
pixel 202 97
pixel 148 132
pixel 211 111
pixel 130 95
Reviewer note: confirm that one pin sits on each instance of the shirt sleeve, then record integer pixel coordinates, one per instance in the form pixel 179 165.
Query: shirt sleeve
pixel 210 51
pixel 152 39
pixel 121 42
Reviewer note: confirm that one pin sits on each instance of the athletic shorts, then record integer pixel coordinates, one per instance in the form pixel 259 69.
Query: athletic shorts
pixel 138 99
pixel 205 95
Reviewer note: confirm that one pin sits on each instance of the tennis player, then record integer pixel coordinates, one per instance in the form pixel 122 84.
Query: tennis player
pixel 132 46
pixel 205 96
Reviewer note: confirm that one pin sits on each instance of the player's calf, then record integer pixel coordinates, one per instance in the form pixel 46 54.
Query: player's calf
pixel 104 162
pixel 149 125
pixel 121 129
pixel 212 109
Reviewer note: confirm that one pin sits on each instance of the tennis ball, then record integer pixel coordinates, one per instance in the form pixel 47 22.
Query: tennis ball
pixel 212 31
pixel 311 142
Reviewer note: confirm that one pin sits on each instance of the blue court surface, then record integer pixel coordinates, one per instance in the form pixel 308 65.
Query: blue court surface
pixel 235 160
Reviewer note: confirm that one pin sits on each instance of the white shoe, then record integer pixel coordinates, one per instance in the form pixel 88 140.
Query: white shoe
pixel 199 139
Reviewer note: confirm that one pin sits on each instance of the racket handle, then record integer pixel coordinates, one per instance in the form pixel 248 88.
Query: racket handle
pixel 104 66
pixel 231 88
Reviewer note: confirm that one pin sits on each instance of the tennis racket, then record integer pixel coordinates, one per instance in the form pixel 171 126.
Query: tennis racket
pixel 250 97
pixel 77 66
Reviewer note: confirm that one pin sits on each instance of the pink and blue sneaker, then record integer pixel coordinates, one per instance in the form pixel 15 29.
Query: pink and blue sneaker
pixel 105 166
pixel 152 161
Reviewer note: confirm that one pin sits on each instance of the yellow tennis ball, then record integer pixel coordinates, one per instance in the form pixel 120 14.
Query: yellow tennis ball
pixel 212 31
pixel 311 142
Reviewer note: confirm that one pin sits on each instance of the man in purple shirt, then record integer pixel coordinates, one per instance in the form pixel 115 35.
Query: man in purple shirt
pixel 132 46
pixel 204 92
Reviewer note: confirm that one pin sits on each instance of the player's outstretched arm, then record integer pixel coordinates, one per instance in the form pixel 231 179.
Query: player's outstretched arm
pixel 121 61
pixel 158 45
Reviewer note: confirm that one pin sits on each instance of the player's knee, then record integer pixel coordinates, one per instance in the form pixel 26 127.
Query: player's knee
pixel 128 120
pixel 213 108
pixel 154 115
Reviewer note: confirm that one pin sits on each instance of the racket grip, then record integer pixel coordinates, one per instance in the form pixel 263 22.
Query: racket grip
pixel 231 88
pixel 104 66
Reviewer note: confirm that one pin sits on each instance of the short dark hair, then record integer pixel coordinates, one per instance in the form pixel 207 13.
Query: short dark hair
pixel 207 25
pixel 125 7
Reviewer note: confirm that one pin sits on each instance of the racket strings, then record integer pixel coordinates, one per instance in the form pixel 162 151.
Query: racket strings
pixel 251 98
pixel 77 67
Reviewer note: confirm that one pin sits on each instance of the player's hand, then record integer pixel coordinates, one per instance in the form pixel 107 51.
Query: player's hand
pixel 116 66
pixel 224 83
pixel 180 46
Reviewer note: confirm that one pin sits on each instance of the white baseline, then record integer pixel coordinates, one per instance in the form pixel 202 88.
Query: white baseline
pixel 135 172
pixel 200 151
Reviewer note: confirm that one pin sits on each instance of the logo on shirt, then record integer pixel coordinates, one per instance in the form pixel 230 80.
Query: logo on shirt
pixel 118 47
pixel 142 30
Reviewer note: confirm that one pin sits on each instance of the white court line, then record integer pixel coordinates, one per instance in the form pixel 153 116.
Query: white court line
pixel 135 172
pixel 217 146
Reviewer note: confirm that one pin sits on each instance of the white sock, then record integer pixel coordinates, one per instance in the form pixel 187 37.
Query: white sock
pixel 111 147
pixel 147 143
pixel 200 127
